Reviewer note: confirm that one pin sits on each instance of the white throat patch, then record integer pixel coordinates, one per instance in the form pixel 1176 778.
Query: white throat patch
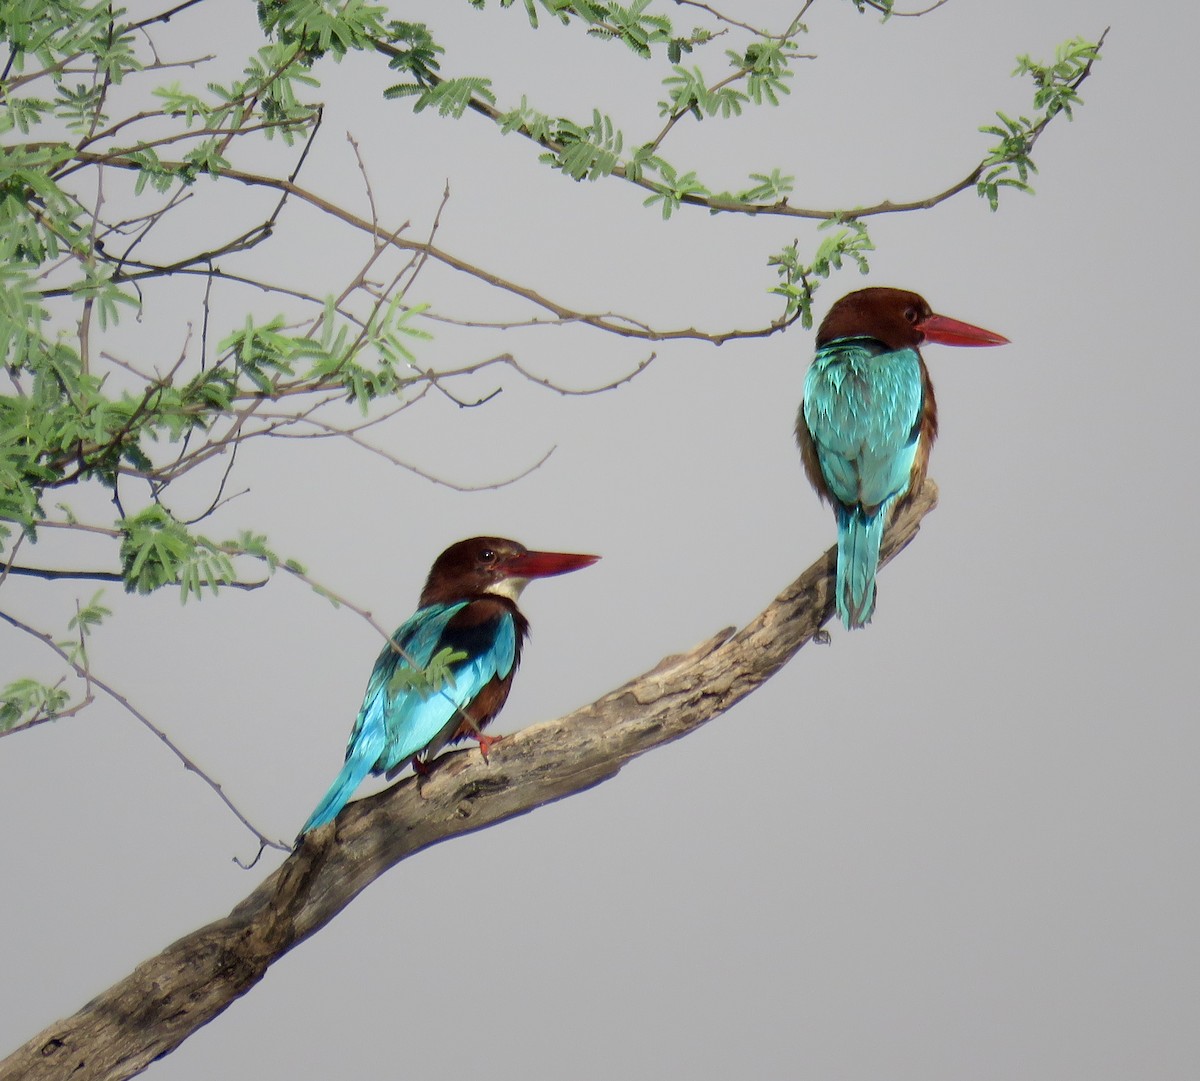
pixel 508 587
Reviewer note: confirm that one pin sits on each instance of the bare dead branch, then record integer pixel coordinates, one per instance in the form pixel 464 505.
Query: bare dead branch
pixel 167 998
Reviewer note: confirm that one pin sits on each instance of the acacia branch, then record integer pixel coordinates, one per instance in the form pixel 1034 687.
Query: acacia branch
pixel 167 998
pixel 720 204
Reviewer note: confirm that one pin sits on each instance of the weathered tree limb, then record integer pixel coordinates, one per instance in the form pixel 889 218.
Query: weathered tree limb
pixel 167 998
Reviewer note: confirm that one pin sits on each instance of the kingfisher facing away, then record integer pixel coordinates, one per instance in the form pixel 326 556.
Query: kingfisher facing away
pixel 468 605
pixel 868 421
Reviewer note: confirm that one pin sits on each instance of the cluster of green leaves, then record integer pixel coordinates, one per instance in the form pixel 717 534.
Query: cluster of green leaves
pixel 766 68
pixel 27 700
pixel 23 473
pixel 798 280
pixel 1008 163
pixel 39 219
pixel 64 425
pixel 318 27
pixel 64 429
pixel 437 674
pixel 633 25
pixel 267 95
pixel 44 221
pixel 273 361
pixel 673 190
pixel 586 152
pixel 688 91
pixel 41 33
pixel 158 550
pixel 1058 82
pixel 450 97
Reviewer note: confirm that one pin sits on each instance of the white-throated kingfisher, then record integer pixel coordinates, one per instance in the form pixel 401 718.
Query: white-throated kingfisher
pixel 868 421
pixel 469 606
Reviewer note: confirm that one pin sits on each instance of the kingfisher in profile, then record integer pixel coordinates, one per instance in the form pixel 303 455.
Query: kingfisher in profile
pixel 468 616
pixel 868 421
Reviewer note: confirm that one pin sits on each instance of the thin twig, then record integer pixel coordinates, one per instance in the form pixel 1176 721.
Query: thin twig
pixel 59 574
pixel 730 21
pixel 145 721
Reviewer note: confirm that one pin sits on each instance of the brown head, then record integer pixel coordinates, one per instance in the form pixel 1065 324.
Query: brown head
pixel 481 565
pixel 899 319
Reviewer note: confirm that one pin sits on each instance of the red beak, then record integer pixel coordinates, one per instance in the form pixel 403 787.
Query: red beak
pixel 546 564
pixel 947 331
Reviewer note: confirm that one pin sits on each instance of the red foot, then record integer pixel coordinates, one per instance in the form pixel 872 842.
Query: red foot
pixel 421 769
pixel 486 743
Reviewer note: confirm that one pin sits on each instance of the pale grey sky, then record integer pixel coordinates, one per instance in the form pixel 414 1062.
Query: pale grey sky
pixel 960 844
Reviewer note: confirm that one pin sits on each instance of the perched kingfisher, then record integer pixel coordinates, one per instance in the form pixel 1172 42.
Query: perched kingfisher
pixel 468 605
pixel 868 421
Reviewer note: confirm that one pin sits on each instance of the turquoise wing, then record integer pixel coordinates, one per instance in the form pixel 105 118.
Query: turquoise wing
pixel 410 718
pixel 862 405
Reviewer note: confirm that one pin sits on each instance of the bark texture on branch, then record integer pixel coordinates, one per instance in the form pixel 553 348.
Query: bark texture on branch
pixel 167 998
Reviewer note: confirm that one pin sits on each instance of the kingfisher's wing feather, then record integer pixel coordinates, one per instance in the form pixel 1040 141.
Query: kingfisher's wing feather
pixel 486 632
pixel 396 722
pixel 415 719
pixel 862 406
pixel 417 638
pixel 370 737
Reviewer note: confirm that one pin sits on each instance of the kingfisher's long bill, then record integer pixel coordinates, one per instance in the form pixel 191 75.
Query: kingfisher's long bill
pixel 868 421
pixel 469 606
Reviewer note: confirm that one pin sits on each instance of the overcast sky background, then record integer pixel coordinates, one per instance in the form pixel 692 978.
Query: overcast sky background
pixel 958 844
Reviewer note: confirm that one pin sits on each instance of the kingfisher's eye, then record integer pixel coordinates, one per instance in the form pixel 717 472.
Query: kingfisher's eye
pixel 911 314
pixel 488 556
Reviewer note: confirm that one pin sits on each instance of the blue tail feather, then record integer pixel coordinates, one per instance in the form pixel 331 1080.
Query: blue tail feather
pixel 859 538
pixel 352 774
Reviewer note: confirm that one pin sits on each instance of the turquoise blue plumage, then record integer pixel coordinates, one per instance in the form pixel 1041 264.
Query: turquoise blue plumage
pixel 393 726
pixel 468 606
pixel 868 421
pixel 862 403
